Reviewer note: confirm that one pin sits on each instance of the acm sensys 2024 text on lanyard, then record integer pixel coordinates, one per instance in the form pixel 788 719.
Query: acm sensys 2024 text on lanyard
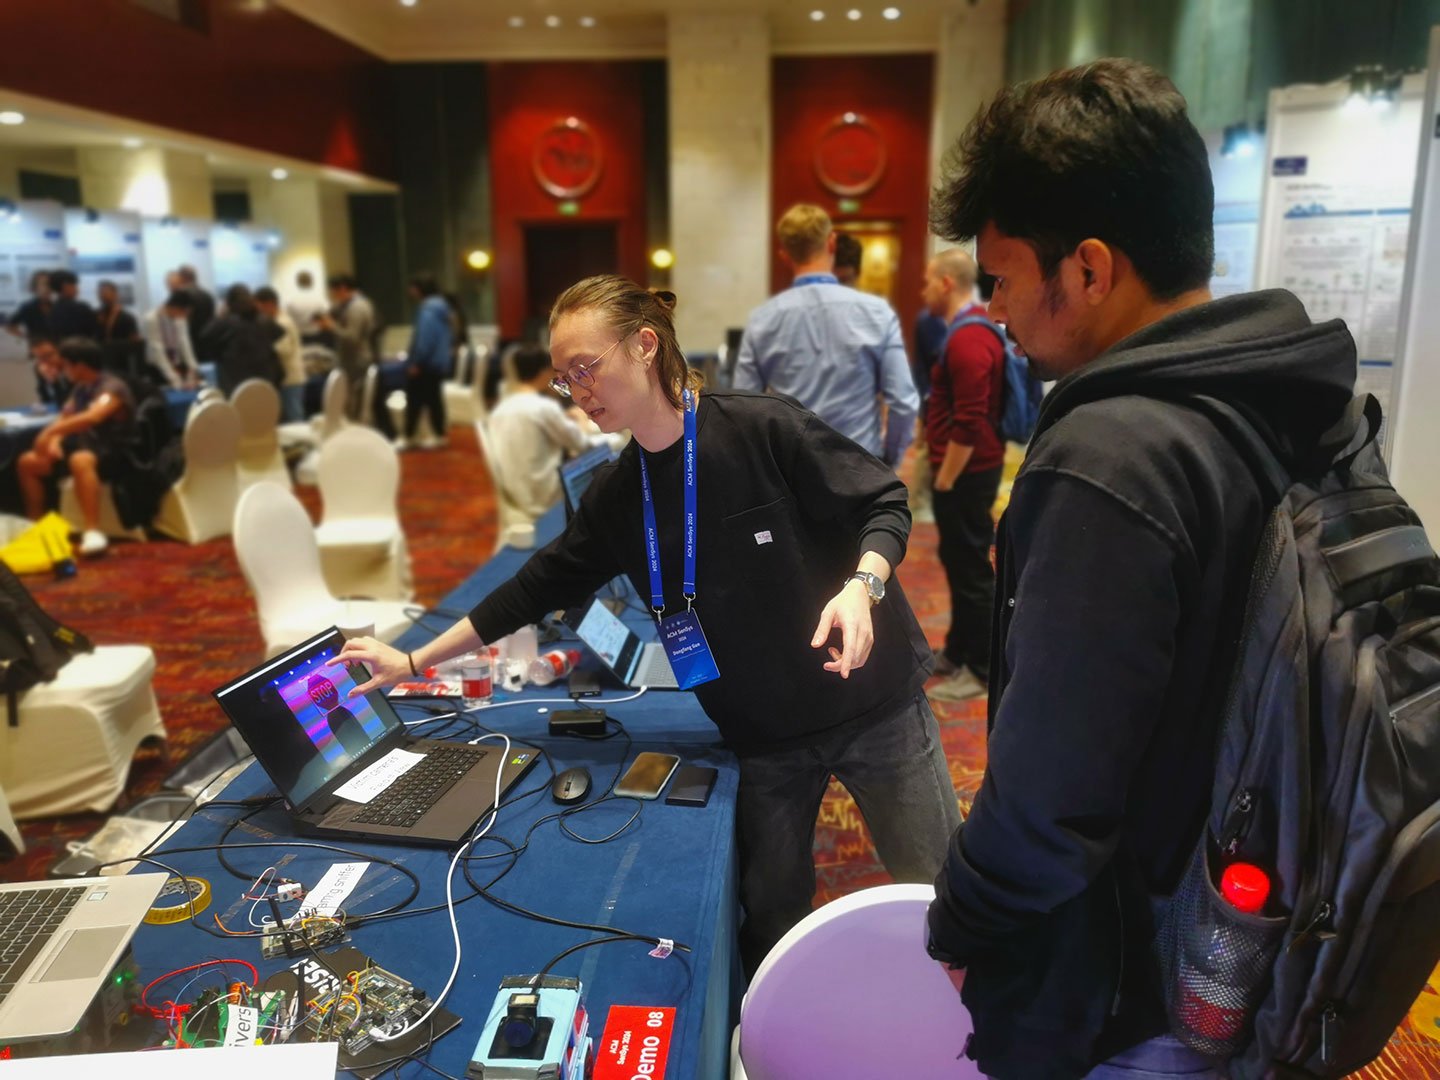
pixel 680 634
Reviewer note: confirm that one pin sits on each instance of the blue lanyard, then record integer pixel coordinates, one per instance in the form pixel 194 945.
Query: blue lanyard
pixel 652 535
pixel 816 279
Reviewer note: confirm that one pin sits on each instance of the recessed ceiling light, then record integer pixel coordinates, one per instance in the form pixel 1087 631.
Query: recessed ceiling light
pixel 10 117
pixel 408 3
pixel 853 14
pixel 132 143
pixel 552 21
pixel 817 16
pixel 516 21
pixel 891 13
pixel 279 174
pixel 587 21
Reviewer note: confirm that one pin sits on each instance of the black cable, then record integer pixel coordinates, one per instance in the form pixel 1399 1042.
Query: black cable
pixel 198 792
pixel 539 975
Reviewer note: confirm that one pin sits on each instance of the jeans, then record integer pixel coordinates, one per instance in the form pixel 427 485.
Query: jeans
pixel 896 771
pixel 1155 1059
pixel 967 532
pixel 425 389
pixel 292 403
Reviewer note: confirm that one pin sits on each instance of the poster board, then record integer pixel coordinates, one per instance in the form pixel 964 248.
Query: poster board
pixel 106 246
pixel 172 242
pixel 1238 183
pixel 1335 215
pixel 31 238
pixel 241 255
pixel 1415 435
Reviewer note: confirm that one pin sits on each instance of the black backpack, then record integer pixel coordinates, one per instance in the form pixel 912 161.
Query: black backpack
pixel 1327 778
pixel 33 646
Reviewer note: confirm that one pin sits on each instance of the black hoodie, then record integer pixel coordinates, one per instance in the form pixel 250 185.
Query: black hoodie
pixel 1123 561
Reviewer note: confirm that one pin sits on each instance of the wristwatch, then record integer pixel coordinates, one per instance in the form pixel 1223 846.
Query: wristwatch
pixel 873 585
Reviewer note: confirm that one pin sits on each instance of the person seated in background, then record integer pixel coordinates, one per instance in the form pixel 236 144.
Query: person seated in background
pixel 32 318
pixel 168 348
pixel 69 315
pixel 51 386
pixel 243 346
pixel 119 332
pixel 530 434
pixel 287 350
pixel 848 256
pixel 87 440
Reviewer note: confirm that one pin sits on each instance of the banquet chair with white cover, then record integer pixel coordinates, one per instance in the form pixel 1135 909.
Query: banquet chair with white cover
pixel 201 504
pixel 275 544
pixel 330 418
pixel 11 842
pixel 509 515
pixel 209 393
pixel 464 399
pixel 258 403
pixel 362 546
pixel 816 1006
pixel 74 736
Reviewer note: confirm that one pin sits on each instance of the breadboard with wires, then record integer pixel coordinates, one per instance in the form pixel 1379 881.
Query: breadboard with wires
pixel 302 932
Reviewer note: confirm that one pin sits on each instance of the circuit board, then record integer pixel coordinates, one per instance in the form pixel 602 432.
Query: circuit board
pixel 370 1002
pixel 302 930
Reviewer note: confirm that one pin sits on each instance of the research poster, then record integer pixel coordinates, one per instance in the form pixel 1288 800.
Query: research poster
pixel 32 237
pixel 106 247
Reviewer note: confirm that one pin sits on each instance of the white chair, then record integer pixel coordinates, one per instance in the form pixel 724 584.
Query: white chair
pixel 330 418
pixel 110 523
pixel 208 393
pixel 464 400
pixel 362 546
pixel 75 736
pixel 509 515
pixel 813 1008
pixel 11 842
pixel 275 544
pixel 201 504
pixel 395 341
pixel 258 403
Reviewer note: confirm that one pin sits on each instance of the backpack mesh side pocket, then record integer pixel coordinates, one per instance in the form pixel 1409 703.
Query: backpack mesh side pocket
pixel 1214 961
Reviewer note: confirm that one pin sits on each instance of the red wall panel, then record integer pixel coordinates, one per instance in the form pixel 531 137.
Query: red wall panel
pixel 258 76
pixel 525 100
pixel 895 94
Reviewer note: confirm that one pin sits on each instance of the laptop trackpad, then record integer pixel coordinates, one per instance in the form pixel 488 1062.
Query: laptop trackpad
pixel 86 954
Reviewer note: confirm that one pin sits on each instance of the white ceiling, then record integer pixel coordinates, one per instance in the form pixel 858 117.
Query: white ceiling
pixel 481 30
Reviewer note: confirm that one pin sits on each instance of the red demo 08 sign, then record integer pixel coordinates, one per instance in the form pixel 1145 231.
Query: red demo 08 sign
pixel 636 1043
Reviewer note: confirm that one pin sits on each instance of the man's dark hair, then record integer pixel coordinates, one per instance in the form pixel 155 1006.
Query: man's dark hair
pixel 304 279
pixel 186 274
pixel 61 278
pixel 266 295
pixel 340 281
pixel 41 339
pixel 425 284
pixel 528 361
pixel 240 302
pixel 848 251
pixel 179 299
pixel 1105 150
pixel 82 350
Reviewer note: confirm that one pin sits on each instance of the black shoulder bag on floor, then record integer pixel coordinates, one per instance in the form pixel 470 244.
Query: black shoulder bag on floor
pixel 33 646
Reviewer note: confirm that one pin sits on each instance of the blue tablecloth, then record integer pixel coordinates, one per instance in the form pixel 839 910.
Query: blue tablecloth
pixel 672 874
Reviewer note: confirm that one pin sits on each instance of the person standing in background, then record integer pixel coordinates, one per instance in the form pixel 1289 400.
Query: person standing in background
pixel 966 457
pixel 351 320
pixel 69 315
pixel 168 348
pixel 426 363
pixel 202 304
pixel 119 332
pixel 305 307
pixel 835 350
pixel 242 345
pixel 848 256
pixel 32 318
pixel 286 343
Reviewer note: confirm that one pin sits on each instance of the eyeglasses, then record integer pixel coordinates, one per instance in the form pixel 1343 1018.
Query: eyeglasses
pixel 580 374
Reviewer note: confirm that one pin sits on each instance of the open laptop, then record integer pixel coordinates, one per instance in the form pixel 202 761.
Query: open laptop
pixel 346 766
pixel 577 473
pixel 59 941
pixel 634 662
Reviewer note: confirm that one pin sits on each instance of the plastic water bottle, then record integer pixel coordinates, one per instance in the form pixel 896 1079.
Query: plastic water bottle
pixel 555 664
pixel 1213 1006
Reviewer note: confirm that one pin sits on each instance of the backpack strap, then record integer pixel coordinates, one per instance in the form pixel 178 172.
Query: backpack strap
pixel 1249 433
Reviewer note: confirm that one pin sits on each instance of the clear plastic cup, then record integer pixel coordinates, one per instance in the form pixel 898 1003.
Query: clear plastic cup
pixel 477 685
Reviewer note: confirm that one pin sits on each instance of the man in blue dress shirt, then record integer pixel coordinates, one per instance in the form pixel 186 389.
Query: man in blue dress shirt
pixel 837 351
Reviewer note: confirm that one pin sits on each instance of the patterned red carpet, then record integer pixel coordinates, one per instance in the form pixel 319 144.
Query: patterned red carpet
pixel 191 605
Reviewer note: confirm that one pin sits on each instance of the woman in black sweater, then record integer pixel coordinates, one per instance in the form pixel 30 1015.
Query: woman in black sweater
pixel 797 530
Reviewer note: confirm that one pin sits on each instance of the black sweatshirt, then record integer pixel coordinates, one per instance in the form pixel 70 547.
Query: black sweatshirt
pixel 785 507
pixel 1123 563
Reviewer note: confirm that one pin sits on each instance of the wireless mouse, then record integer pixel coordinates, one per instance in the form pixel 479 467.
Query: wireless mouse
pixel 571 786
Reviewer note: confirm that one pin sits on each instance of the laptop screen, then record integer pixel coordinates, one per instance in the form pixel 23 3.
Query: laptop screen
pixel 576 474
pixel 296 714
pixel 617 646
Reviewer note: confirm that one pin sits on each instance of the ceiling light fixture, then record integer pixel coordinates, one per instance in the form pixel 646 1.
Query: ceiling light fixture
pixel 853 14
pixel 10 118
pixel 132 143
pixel 408 3
pixel 552 21
pixel 479 259
pixel 817 16
pixel 587 21
pixel 662 258
pixel 279 174
pixel 891 13
pixel 516 21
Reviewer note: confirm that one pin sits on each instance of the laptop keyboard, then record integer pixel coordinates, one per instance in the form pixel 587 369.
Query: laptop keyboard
pixel 28 919
pixel 406 801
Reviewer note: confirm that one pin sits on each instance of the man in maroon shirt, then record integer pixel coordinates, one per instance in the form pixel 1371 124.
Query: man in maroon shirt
pixel 966 455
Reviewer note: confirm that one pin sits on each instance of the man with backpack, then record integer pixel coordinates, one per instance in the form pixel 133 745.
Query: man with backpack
pixel 962 422
pixel 1123 565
